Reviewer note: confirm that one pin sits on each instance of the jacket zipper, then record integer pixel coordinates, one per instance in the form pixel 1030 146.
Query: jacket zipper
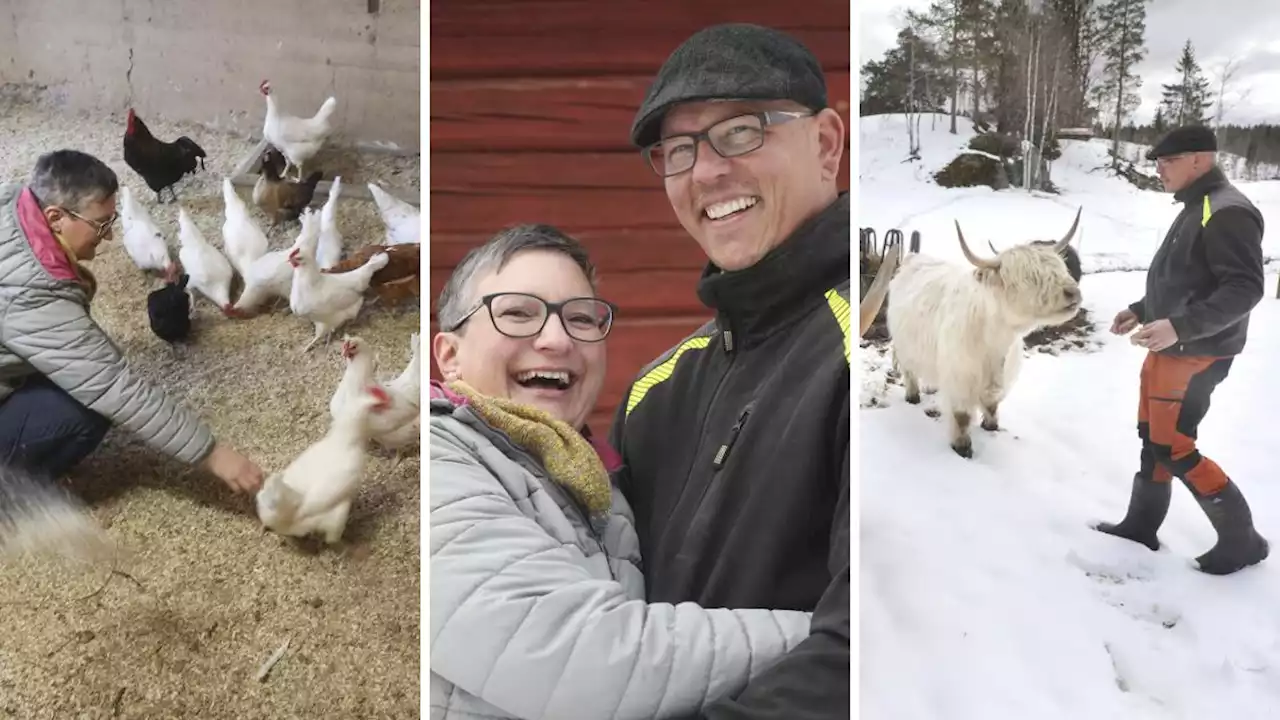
pixel 722 456
pixel 726 339
pixel 578 506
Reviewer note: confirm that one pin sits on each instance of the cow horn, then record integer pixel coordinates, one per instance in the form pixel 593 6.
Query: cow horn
pixel 1062 244
pixel 991 245
pixel 870 305
pixel 974 259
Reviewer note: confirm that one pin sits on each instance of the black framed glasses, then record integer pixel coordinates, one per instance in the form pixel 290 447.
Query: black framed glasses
pixel 521 315
pixel 101 228
pixel 730 137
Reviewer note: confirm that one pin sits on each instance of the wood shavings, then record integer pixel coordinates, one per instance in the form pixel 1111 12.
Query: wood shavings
pixel 265 669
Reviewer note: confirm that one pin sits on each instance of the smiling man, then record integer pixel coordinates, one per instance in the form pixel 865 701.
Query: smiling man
pixel 1202 284
pixel 735 442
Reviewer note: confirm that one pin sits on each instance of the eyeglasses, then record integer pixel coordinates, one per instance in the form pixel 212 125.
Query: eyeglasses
pixel 1167 159
pixel 729 138
pixel 520 315
pixel 101 228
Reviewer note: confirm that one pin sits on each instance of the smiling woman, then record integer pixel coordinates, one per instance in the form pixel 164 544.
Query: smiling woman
pixel 521 495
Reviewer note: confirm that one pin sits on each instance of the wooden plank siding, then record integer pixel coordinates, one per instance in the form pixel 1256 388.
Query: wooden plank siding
pixel 531 104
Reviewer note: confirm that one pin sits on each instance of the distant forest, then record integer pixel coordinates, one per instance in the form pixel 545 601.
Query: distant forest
pixel 1029 69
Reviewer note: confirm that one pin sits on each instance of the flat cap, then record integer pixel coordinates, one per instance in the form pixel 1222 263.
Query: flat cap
pixel 733 61
pixel 1192 138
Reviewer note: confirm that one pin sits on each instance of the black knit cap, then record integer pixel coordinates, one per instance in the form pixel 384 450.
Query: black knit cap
pixel 1192 138
pixel 734 61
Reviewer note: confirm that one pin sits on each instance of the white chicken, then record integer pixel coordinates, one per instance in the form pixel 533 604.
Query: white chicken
pixel 207 268
pixel 314 493
pixel 143 240
pixel 242 239
pixel 328 300
pixel 398 425
pixel 401 218
pixel 297 138
pixel 329 251
pixel 271 276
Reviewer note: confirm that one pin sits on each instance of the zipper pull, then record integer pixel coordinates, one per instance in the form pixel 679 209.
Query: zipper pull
pixel 722 454
pixel 728 340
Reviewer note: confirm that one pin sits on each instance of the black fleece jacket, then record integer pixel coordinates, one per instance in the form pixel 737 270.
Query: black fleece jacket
pixel 736 460
pixel 1207 275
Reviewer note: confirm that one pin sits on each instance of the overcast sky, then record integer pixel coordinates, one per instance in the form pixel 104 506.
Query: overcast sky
pixel 1246 30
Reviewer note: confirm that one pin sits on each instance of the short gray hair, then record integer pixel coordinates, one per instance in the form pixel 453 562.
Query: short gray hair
pixel 456 298
pixel 72 179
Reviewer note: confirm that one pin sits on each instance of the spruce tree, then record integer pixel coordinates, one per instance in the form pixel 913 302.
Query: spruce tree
pixel 1186 100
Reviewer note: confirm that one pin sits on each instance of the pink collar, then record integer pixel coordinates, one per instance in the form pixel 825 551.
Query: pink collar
pixel 610 457
pixel 39 235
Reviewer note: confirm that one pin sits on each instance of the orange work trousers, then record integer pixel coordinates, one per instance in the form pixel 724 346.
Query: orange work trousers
pixel 1173 399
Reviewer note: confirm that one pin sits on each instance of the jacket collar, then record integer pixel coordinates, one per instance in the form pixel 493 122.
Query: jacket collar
pixel 444 398
pixel 1203 185
pixel 785 284
pixel 53 255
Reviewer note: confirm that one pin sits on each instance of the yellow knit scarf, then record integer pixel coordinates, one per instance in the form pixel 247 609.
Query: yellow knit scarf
pixel 569 458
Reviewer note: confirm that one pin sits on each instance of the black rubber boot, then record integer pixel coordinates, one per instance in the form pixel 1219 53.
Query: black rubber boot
pixel 1148 505
pixel 1239 545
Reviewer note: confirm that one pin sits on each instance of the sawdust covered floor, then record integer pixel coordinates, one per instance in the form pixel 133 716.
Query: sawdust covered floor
pixel 215 596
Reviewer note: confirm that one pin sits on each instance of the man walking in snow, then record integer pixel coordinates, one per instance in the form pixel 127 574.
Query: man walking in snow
pixel 735 442
pixel 1202 284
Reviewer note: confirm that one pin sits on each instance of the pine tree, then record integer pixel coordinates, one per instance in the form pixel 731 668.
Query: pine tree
pixel 977 21
pixel 1078 20
pixel 888 82
pixel 943 20
pixel 962 35
pixel 1186 101
pixel 1122 26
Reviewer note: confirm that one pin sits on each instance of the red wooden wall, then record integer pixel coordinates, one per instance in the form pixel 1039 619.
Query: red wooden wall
pixel 531 104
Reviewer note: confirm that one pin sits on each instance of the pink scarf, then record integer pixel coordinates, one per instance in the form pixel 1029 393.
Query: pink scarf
pixel 55 257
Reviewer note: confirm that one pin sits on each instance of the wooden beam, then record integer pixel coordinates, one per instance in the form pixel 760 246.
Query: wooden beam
pixel 249 164
pixel 350 190
pixel 245 174
pixel 494 38
pixel 579 114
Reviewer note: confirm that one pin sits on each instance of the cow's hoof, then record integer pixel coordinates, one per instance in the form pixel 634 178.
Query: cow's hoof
pixel 964 450
pixel 933 412
pixel 914 399
pixel 990 425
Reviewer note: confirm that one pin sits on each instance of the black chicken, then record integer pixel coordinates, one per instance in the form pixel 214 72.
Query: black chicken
pixel 161 164
pixel 169 310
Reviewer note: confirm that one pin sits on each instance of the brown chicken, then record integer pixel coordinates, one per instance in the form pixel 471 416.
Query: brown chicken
pixel 282 200
pixel 397 281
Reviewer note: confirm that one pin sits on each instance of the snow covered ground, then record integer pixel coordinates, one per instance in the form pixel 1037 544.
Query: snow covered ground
pixel 1120 227
pixel 984 593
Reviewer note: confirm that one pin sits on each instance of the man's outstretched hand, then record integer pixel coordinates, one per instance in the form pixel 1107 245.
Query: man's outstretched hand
pixel 1124 323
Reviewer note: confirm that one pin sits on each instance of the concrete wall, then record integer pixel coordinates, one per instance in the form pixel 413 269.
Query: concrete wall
pixel 202 60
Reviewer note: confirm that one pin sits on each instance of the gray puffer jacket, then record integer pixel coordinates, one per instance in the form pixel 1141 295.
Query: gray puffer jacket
pixel 537 615
pixel 45 328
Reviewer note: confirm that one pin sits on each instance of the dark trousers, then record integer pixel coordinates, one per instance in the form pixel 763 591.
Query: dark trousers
pixel 1174 398
pixel 45 431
